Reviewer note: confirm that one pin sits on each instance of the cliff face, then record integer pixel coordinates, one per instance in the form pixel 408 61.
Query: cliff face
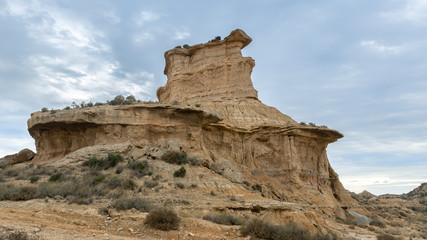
pixel 289 156
pixel 288 160
pixel 64 132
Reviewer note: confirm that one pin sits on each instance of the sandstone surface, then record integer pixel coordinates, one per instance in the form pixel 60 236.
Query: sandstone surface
pixel 24 155
pixel 210 109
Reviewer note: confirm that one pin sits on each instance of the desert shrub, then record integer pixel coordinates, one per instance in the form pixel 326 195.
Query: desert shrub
pixel 113 159
pixel 180 172
pixel 103 211
pixel 125 203
pixel 114 182
pixel 197 105
pixel 174 157
pixel 224 219
pixel 11 172
pixel 44 109
pixel 163 219
pixel 34 179
pixel 150 184
pixel 257 187
pixel 17 236
pixel 55 177
pixel 119 169
pixel 377 223
pixel 384 236
pixel 14 193
pixel 24 194
pixel 129 184
pixel 100 163
pixel 93 179
pixel 140 169
pixel 180 185
pixel 265 230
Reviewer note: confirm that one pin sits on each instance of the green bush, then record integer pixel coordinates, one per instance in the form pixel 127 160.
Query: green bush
pixel 174 157
pixel 224 219
pixel 55 177
pixel 100 163
pixel 125 203
pixel 180 172
pixel 140 169
pixel 163 219
pixel 257 187
pixel 34 179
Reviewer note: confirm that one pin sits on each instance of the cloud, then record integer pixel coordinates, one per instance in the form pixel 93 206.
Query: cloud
pixel 381 179
pixel 413 11
pixel 143 37
pixel 180 35
pixel 145 17
pixel 380 48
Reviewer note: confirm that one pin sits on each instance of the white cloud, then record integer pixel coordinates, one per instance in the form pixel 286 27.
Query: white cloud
pixel 146 16
pixel 381 179
pixel 180 35
pixel 414 11
pixel 112 16
pixel 360 143
pixel 142 37
pixel 380 48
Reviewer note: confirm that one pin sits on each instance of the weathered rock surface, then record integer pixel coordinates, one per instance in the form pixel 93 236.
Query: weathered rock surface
pixel 64 132
pixel 287 160
pixel 24 155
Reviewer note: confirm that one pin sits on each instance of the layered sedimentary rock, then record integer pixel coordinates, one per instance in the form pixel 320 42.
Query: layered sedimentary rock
pixel 59 134
pixel 219 117
pixel 287 155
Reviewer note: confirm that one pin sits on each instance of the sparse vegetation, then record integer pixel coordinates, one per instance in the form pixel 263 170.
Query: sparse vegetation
pixel 110 161
pixel 385 236
pixel 44 109
pixel 180 158
pixel 265 230
pixel 55 177
pixel 377 223
pixel 163 219
pixel 224 219
pixel 257 187
pixel 140 168
pixel 125 203
pixel 150 184
pixel 180 172
pixel 17 236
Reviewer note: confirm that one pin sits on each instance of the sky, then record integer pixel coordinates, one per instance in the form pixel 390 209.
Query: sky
pixel 357 66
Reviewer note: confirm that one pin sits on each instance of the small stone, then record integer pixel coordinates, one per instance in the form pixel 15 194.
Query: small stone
pixel 36 230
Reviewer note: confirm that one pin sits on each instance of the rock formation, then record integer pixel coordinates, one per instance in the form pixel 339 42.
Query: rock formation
pixel 217 76
pixel 24 155
pixel 219 118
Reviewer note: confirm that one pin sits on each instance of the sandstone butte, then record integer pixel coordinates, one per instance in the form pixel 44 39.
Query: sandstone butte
pixel 289 160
